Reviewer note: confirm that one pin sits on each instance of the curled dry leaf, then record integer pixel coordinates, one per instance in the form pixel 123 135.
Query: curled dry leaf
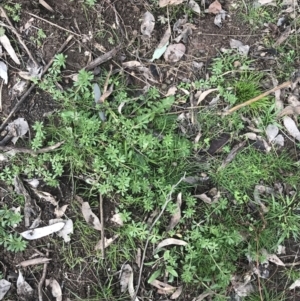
pixel 4 288
pixel 18 128
pixel 23 288
pixel 163 3
pixel 55 288
pixel 215 7
pixel 170 241
pixel 203 95
pixel 90 217
pixel 290 110
pixel 162 46
pixel 147 24
pixel 60 211
pixel 274 258
pixel 117 218
pixel 42 232
pixel 107 242
pixel 46 196
pixel 177 293
pixel 171 91
pixel 163 288
pixel 126 280
pixel 174 52
pixel 291 127
pixel 194 6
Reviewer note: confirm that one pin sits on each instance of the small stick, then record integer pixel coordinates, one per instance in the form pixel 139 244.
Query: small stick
pixel 22 99
pixel 32 152
pixel 102 225
pixel 103 58
pixel 252 100
pixel 168 199
pixel 53 24
pixel 42 280
pixel 11 27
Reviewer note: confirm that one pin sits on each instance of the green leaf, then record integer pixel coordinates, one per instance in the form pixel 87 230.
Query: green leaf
pixel 158 52
pixel 172 271
pixel 154 275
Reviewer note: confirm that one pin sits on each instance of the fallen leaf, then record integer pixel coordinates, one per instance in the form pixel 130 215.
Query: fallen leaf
pixel 66 230
pixel 194 6
pixel 219 18
pixel 163 3
pixel 290 110
pixel 274 258
pixel 204 94
pixel 163 288
pixel 215 7
pixel 23 288
pixel 283 36
pixel 174 52
pixel 46 196
pixel 18 128
pixel 117 218
pixel 4 288
pixel 43 231
pixel 265 2
pixel 46 5
pixel 33 182
pixel 177 215
pixel 97 92
pixel 177 293
pixel 148 23
pixel 60 211
pixel 271 132
pixel 6 44
pixel 170 241
pixel 107 242
pixel 3 72
pixel 203 296
pixel 35 261
pixel 291 127
pixel 126 280
pixel 171 91
pixel 295 284
pixel 131 64
pixel 162 46
pixel 90 217
pixel 55 288
pixel 281 250
pixel 19 88
pixel 187 30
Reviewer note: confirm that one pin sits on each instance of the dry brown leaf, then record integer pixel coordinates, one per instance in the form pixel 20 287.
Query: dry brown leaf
pixel 291 127
pixel 174 52
pixel 215 7
pixel 165 39
pixel 126 280
pixel 55 288
pixel 177 215
pixel 148 23
pixel 90 217
pixel 177 293
pixel 290 110
pixel 107 242
pixel 24 290
pixel 46 196
pixel 204 94
pixel 60 211
pixel 163 3
pixel 172 90
pixel 46 5
pixel 163 288
pixel 131 64
pixel 6 44
pixel 170 241
pixel 274 258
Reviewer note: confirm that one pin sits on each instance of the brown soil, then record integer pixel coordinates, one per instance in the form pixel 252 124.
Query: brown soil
pixel 108 23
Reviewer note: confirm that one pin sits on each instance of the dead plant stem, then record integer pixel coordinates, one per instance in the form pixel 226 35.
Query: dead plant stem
pixel 102 225
pixel 42 280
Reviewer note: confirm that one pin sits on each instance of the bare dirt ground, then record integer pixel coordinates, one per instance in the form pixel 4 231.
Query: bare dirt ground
pixel 96 31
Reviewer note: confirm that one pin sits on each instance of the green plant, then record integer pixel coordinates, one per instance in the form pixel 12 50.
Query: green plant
pixel 10 240
pixel 14 11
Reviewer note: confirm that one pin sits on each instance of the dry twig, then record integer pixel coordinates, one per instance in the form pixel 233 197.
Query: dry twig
pixel 30 151
pixel 42 280
pixel 102 225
